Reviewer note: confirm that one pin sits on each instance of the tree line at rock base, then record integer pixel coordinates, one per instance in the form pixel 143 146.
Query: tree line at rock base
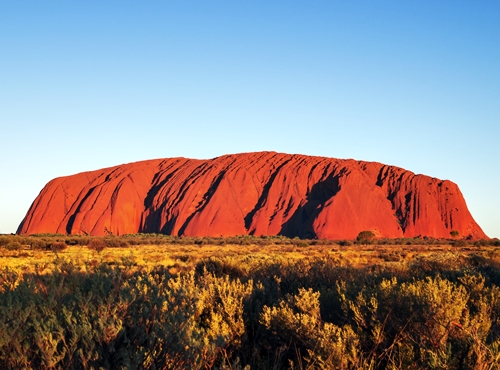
pixel 59 241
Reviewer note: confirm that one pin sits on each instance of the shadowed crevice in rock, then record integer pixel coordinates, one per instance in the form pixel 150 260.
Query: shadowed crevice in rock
pixel 206 198
pixel 71 220
pixel 151 222
pixel 263 197
pixel 300 224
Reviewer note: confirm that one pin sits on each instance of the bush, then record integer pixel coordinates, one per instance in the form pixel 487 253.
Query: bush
pixel 39 244
pixel 365 237
pixel 296 325
pixel 301 244
pixel 58 246
pixel 4 240
pixel 460 243
pixel 345 243
pixel 101 320
pixel 97 245
pixel 13 246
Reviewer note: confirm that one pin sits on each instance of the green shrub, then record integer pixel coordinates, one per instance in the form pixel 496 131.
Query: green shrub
pixel 296 325
pixel 365 237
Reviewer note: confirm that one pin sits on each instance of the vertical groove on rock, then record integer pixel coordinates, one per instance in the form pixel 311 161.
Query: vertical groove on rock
pixel 263 197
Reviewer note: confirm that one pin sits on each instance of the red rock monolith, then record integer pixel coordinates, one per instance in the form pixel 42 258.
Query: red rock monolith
pixel 263 193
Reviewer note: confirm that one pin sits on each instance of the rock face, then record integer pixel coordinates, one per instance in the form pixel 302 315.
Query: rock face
pixel 263 193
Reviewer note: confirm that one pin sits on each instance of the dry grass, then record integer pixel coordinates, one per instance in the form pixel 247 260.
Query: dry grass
pixel 184 258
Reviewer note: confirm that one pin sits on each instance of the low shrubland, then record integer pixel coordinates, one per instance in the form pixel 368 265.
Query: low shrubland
pixel 44 241
pixel 244 306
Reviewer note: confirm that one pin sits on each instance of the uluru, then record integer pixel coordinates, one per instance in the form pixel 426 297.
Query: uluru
pixel 262 193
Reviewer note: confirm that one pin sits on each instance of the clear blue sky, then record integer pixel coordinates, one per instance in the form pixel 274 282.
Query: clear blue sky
pixel 92 84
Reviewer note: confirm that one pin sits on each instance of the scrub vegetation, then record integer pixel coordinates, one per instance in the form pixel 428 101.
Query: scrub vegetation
pixel 159 302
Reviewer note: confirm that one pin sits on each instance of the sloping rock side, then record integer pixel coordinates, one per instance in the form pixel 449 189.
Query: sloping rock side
pixel 263 193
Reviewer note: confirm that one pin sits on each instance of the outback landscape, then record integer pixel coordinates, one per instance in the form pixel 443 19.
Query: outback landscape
pixel 249 185
pixel 260 261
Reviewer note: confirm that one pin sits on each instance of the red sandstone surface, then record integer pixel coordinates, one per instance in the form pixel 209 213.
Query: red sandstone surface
pixel 262 193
